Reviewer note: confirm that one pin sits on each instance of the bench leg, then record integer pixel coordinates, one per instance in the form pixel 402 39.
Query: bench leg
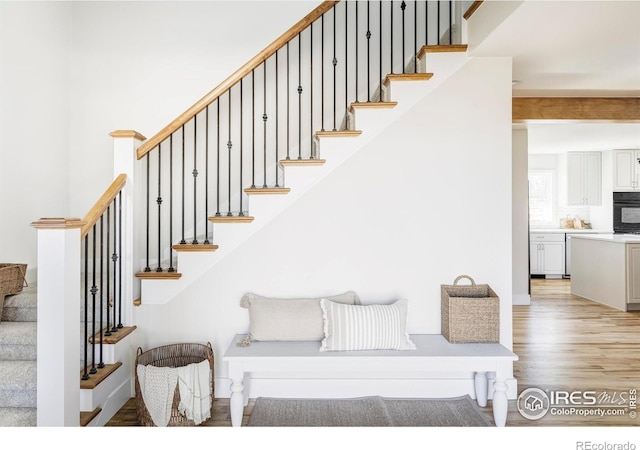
pixel 500 402
pixel 236 402
pixel 481 386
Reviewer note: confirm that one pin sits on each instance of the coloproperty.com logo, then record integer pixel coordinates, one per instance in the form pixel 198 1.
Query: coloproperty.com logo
pixel 535 403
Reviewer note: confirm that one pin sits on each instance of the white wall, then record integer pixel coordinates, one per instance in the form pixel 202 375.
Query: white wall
pixel 72 72
pixel 35 50
pixel 520 218
pixel 427 201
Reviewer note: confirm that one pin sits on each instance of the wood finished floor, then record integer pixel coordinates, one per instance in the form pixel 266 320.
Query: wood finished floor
pixel 563 341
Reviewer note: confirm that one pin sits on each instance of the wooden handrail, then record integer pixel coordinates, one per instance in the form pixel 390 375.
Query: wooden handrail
pixel 102 204
pixel 469 12
pixel 227 84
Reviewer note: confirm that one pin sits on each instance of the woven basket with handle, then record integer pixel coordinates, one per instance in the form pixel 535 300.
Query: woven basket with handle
pixel 12 278
pixel 470 313
pixel 172 355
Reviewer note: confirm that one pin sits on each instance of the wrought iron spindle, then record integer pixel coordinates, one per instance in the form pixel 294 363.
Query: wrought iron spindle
pixel 438 28
pixel 450 22
pixel 218 158
pixel 380 51
pixel 94 291
pixel 253 129
pixel 119 261
pixel 241 213
pixel 171 268
pixel 101 290
pixel 85 341
pixel 183 240
pixel 415 37
pixel 322 72
pixel 264 124
pixel 334 61
pixel 111 257
pixel 369 52
pixel 159 202
pixel 288 104
pixel 229 145
pixel 346 59
pixel 277 120
pixel 403 7
pixel 194 172
pixel 426 23
pixel 148 157
pixel 311 89
pixel 299 96
pixel 356 44
pixel 206 176
pixel 391 40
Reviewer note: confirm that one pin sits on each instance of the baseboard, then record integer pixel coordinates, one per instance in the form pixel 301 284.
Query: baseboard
pixel 521 299
pixel 357 387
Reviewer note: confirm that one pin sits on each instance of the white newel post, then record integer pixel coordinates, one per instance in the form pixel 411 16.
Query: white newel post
pixel 125 144
pixel 58 368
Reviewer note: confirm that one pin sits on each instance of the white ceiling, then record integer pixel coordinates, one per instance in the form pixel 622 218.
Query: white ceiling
pixel 571 49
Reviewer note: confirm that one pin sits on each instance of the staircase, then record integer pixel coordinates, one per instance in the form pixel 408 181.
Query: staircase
pixel 18 359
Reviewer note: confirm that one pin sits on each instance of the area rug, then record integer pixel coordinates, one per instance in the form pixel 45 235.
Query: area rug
pixel 367 412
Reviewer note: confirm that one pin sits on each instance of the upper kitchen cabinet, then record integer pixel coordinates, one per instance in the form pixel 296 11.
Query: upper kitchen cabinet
pixel 584 178
pixel 626 170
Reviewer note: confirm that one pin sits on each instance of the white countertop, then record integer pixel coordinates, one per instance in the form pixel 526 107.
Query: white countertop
pixel 610 237
pixel 568 230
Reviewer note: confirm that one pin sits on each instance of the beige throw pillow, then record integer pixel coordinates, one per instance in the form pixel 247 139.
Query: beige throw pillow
pixel 289 319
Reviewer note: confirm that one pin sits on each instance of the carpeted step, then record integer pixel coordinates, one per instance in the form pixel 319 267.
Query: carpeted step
pixel 21 307
pixel 18 341
pixel 18 381
pixel 18 417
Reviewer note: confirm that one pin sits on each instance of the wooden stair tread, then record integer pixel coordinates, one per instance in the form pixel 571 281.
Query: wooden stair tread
pixel 164 275
pixel 302 162
pixel 407 77
pixel 231 219
pixel 442 49
pixel 372 105
pixel 98 377
pixel 115 337
pixel 339 133
pixel 266 190
pixel 195 247
pixel 87 416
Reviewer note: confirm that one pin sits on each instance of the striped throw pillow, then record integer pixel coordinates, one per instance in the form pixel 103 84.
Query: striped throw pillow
pixel 365 327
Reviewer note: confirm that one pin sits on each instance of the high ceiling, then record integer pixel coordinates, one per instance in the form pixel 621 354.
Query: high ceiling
pixel 572 49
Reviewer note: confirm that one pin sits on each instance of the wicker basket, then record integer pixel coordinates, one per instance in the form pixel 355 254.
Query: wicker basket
pixel 470 313
pixel 173 355
pixel 12 278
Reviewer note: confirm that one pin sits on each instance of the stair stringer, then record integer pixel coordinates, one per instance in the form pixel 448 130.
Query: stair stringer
pixel 335 150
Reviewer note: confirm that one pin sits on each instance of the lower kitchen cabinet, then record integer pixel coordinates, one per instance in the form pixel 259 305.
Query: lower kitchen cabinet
pixel 547 254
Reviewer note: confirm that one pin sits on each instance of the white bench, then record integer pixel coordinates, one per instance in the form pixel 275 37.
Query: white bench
pixel 434 353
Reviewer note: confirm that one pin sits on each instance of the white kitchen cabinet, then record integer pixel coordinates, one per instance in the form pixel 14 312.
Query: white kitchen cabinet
pixel 626 170
pixel 584 178
pixel 546 254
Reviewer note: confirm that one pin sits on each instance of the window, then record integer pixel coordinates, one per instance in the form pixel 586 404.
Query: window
pixel 541 204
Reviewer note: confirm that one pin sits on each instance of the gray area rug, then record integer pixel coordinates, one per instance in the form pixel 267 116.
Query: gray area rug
pixel 367 412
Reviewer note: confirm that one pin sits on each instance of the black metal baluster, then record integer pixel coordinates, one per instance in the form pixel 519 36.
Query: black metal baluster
pixel 183 241
pixel 311 93
pixel 390 40
pixel 241 213
pixel 253 129
pixel 171 268
pixel 288 103
pixel 369 54
pixel 117 237
pixel 195 178
pixel 403 7
pixel 438 36
pixel 356 44
pixel 299 96
pixel 94 291
pixel 229 145
pixel 264 123
pixel 334 61
pixel 206 176
pixel 346 60
pixel 120 261
pixel 107 328
pixel 450 22
pixel 380 51
pixel 277 120
pixel 148 268
pixel 101 363
pixel 218 158
pixel 322 72
pixel 85 341
pixel 159 202
pixel 426 23
pixel 415 37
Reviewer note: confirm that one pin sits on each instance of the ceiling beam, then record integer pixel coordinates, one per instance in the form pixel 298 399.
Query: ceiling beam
pixel 610 109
